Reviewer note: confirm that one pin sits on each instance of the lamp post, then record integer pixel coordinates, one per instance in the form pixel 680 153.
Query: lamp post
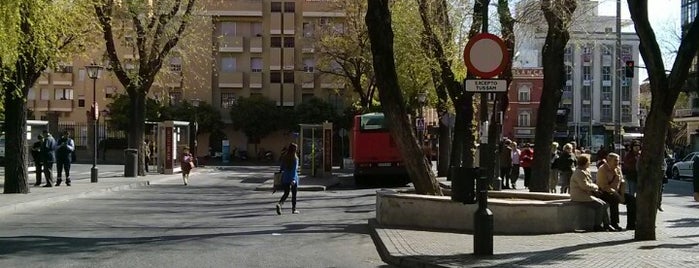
pixel 93 71
pixel 195 104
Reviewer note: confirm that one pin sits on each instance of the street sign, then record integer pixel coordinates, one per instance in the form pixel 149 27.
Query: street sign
pixel 420 123
pixel 486 55
pixel 485 85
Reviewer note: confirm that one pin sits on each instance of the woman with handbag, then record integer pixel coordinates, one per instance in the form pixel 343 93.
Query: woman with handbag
pixel 290 178
pixel 609 181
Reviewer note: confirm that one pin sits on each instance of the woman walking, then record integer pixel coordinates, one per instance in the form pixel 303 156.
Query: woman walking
pixel 187 163
pixel 290 178
pixel 526 158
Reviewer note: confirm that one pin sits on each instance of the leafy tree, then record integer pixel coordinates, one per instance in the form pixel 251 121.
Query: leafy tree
pixel 378 20
pixel 558 15
pixel 119 112
pixel 207 116
pixel 315 111
pixel 159 26
pixel 35 35
pixel 255 116
pixel 665 89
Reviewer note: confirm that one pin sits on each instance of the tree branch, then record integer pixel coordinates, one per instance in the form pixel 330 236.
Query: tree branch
pixel 104 16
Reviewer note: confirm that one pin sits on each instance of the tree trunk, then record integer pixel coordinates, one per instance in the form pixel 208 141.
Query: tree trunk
pixel 664 89
pixel 558 15
pixel 378 20
pixel 16 177
pixel 137 127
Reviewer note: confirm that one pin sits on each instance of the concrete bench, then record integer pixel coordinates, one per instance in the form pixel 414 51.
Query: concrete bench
pixel 514 213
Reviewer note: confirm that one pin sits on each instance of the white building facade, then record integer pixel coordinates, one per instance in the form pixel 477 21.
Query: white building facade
pixel 590 90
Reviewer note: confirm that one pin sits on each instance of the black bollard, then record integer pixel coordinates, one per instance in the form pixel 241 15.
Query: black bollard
pixel 483 221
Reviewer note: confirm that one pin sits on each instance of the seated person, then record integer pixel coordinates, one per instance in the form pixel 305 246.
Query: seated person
pixel 583 190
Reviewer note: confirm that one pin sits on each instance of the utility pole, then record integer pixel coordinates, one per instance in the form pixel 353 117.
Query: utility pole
pixel 619 76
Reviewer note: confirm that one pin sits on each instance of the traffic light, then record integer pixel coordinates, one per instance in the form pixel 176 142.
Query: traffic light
pixel 629 68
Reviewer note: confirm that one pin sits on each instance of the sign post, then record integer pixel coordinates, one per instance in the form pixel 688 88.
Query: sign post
pixel 485 56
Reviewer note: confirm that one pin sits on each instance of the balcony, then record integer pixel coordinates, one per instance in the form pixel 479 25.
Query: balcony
pixel 687 112
pixel 524 132
pixel 256 44
pixel 256 80
pixel 308 45
pixel 43 79
pixel 62 79
pixel 230 80
pixel 230 44
pixel 61 105
pixel 308 80
pixel 38 105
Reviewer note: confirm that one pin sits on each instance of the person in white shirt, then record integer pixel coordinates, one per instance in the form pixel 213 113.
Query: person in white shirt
pixel 515 164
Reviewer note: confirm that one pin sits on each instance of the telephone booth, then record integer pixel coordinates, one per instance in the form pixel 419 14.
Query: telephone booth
pixel 315 149
pixel 173 136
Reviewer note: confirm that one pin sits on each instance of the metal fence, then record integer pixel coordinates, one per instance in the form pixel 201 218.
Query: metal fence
pixel 79 132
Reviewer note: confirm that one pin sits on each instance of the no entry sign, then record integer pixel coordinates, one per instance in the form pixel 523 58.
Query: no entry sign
pixel 485 55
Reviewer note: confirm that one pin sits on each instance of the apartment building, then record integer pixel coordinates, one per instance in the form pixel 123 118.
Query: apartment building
pixel 235 48
pixel 524 95
pixel 592 74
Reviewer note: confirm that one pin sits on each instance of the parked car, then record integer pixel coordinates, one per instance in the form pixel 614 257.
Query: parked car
pixel 683 167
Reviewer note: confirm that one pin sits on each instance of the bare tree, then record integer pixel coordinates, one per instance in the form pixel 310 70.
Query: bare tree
pixel 664 89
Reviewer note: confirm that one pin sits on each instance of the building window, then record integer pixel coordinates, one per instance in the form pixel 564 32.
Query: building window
pixel 175 96
pixel 45 94
pixel 606 73
pixel 276 6
pixel 607 50
pixel 228 64
pixel 606 113
pixel 31 94
pixel 256 65
pixel 63 94
pixel 587 73
pixel 569 73
pixel 64 68
pixel 256 28
pixel 227 100
pixel 288 41
pixel 289 7
pixel 288 77
pixel 607 93
pixel 176 64
pixel 626 113
pixel 275 41
pixel 523 94
pixel 109 92
pixel 275 76
pixel 228 28
pixel 569 108
pixel 568 54
pixel 523 119
pixel 81 102
pixel 626 52
pixel 309 65
pixel 585 112
pixel 586 93
pixel 308 29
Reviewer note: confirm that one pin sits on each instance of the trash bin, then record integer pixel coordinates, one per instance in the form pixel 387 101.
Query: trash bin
pixel 131 162
pixel 463 184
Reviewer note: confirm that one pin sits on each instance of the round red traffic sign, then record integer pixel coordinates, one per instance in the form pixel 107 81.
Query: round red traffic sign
pixel 485 55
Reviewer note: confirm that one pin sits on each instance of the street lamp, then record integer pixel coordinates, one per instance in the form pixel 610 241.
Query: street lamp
pixel 195 103
pixel 93 71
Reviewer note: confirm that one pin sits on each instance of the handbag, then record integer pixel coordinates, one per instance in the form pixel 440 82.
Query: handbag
pixel 277 181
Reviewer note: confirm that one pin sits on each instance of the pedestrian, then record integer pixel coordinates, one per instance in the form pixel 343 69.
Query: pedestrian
pixel 526 158
pixel 514 176
pixel 146 153
pixel 506 163
pixel 662 186
pixel 601 154
pixel 553 174
pixel 290 178
pixel 36 156
pixel 609 181
pixel 64 152
pixel 695 177
pixel 48 156
pixel 187 163
pixel 566 164
pixel 629 168
pixel 583 190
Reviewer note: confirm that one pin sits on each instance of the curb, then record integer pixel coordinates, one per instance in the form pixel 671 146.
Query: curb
pixel 19 207
pixel 385 254
pixel 305 188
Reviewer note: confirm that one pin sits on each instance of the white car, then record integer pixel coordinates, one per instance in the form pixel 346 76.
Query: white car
pixel 683 168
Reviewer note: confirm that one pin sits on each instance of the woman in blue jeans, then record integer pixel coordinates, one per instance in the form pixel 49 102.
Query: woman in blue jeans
pixel 290 178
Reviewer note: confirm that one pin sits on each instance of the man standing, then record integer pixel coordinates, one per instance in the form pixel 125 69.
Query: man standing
pixel 36 155
pixel 64 151
pixel 505 163
pixel 48 155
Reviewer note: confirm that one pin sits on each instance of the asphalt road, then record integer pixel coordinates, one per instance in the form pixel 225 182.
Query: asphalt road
pixel 216 221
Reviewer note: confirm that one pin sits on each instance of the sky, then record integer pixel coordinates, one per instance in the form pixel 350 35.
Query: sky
pixel 664 17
